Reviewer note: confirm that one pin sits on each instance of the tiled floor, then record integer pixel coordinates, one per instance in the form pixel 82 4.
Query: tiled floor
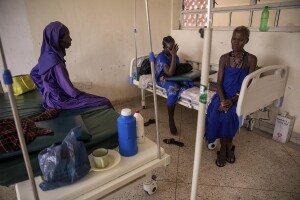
pixel 264 169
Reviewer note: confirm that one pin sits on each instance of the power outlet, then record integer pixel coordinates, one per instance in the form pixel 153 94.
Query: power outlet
pixel 83 85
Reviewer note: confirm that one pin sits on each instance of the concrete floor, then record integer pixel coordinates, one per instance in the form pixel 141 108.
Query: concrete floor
pixel 264 168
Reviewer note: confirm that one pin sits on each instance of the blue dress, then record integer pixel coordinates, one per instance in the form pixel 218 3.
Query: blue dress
pixel 173 88
pixel 218 123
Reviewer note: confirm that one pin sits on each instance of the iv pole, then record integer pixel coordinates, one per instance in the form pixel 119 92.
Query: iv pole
pixel 202 103
pixel 7 78
pixel 152 59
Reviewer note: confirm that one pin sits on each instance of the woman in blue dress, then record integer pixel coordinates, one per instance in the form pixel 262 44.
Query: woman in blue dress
pixel 221 119
pixel 165 66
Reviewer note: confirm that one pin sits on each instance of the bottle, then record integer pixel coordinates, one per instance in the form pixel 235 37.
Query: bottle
pixel 140 131
pixel 264 20
pixel 127 133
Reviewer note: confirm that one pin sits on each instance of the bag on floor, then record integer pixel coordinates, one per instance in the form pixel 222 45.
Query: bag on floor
pixel 65 163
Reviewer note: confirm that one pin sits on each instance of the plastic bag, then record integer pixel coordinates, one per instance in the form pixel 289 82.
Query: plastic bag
pixel 145 67
pixel 65 163
pixel 22 84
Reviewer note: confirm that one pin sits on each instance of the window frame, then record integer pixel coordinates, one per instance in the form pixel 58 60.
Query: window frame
pixel 251 8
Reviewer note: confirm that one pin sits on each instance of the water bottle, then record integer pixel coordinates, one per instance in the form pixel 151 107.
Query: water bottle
pixel 140 131
pixel 127 133
pixel 264 20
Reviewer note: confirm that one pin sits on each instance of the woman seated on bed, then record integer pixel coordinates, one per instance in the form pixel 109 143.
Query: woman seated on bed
pixel 165 65
pixel 221 119
pixel 51 76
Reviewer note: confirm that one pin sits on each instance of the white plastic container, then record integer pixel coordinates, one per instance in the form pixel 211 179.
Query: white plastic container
pixel 140 131
pixel 283 128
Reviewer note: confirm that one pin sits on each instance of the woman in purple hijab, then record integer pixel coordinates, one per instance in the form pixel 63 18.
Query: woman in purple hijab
pixel 51 76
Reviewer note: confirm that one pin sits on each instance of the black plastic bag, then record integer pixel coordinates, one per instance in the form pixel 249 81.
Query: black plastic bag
pixel 145 67
pixel 183 68
pixel 65 163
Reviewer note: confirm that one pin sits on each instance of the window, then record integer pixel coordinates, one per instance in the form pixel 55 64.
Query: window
pixel 191 19
pixel 284 15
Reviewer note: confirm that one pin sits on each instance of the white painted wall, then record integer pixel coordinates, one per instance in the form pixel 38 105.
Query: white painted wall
pixel 102 33
pixel 16 37
pixel 103 43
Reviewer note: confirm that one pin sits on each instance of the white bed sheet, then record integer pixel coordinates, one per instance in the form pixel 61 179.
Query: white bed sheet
pixel 189 97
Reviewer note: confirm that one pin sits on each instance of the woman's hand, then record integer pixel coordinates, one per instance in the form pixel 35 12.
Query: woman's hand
pixel 174 50
pixel 225 105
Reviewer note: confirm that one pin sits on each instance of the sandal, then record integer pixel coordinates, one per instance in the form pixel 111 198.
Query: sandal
pixel 221 160
pixel 150 121
pixel 230 157
pixel 173 141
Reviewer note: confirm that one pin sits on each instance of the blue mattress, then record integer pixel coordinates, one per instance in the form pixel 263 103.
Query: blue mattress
pixel 100 122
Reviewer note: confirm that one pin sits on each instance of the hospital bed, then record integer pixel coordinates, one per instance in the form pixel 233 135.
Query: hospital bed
pixel 259 89
pixel 189 98
pixel 101 123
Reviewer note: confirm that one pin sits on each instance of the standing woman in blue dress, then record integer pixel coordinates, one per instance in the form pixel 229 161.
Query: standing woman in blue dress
pixel 221 119
pixel 165 66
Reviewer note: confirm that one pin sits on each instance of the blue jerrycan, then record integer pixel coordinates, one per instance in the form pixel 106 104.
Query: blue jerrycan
pixel 127 133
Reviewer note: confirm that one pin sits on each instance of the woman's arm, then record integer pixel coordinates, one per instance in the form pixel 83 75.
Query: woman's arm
pixel 62 77
pixel 225 103
pixel 37 79
pixel 252 60
pixel 170 70
pixel 220 89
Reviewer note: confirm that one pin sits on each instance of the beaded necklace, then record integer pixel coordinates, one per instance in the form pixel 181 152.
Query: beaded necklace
pixel 236 64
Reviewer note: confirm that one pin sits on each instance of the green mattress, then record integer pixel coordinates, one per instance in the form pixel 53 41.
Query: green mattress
pixel 100 122
pixel 189 76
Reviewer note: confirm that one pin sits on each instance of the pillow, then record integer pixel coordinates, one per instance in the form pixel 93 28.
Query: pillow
pixel 22 84
pixel 213 77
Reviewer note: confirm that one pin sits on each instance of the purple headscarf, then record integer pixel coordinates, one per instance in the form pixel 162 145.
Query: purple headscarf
pixel 51 52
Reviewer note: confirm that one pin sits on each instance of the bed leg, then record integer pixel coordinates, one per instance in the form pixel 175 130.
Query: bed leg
pixel 143 98
pixel 251 124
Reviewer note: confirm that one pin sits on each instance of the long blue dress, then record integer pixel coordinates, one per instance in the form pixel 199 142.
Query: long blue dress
pixel 218 123
pixel 173 88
